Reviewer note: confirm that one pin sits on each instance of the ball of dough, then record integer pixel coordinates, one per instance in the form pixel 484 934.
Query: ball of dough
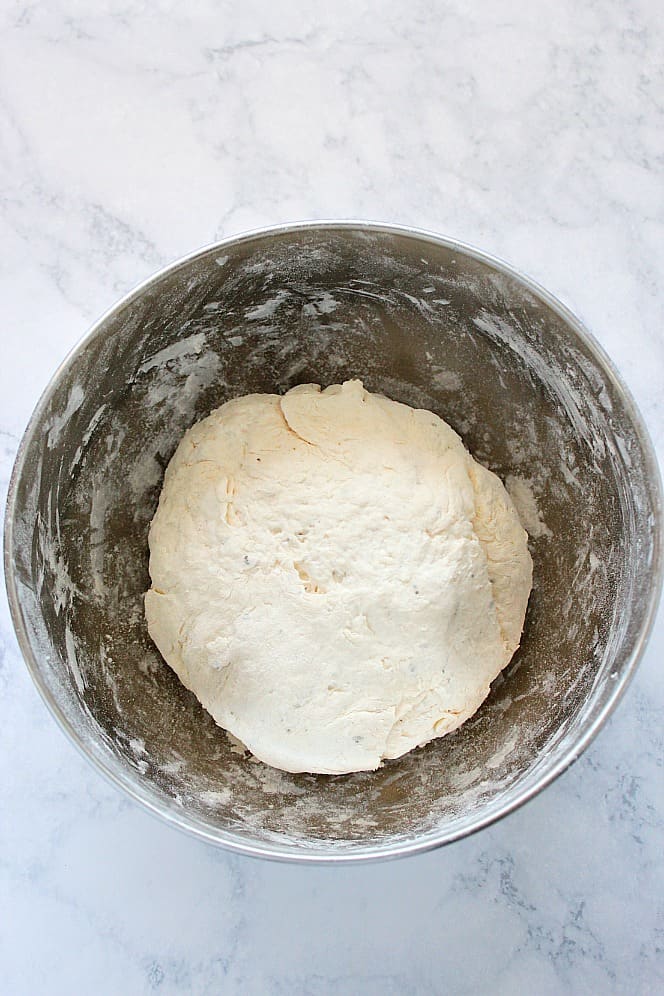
pixel 334 576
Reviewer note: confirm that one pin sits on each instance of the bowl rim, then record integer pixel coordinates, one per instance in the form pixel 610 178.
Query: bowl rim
pixel 430 840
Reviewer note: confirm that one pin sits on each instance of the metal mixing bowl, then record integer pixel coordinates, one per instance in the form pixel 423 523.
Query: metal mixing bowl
pixel 424 320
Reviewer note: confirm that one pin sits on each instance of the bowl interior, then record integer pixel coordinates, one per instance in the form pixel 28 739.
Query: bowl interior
pixel 425 323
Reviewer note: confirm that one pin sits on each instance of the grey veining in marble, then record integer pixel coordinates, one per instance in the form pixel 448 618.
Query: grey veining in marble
pixel 131 133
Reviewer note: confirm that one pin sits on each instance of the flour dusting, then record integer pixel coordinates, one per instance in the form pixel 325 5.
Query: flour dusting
pixel 183 347
pixel 521 492
pixel 58 422
pixel 268 308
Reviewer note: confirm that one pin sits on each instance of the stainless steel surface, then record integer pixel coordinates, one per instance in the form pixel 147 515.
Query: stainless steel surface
pixel 424 320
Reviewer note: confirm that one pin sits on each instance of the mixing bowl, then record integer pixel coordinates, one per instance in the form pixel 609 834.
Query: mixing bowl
pixel 426 321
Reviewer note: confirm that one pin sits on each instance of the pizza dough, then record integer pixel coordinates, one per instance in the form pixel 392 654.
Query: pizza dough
pixel 334 576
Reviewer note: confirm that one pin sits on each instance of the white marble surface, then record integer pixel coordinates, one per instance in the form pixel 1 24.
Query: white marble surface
pixel 132 132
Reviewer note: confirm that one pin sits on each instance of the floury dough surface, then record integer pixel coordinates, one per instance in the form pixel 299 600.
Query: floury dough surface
pixel 334 576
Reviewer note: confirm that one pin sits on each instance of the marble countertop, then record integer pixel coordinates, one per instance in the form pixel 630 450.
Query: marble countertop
pixel 134 134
